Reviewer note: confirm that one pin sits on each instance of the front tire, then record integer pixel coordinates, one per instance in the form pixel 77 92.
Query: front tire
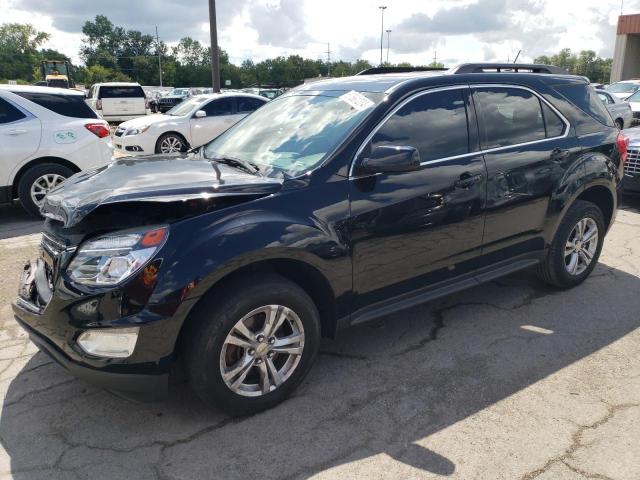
pixel 171 143
pixel 251 343
pixel 576 247
pixel 37 182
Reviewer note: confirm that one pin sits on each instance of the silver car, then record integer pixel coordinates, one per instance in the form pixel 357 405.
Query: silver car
pixel 620 110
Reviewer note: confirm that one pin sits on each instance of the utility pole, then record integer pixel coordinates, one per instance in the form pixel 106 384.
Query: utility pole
pixel 328 59
pixel 435 58
pixel 388 35
pixel 215 59
pixel 382 9
pixel 159 55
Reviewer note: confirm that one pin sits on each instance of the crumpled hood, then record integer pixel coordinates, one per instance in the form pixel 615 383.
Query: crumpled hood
pixel 157 178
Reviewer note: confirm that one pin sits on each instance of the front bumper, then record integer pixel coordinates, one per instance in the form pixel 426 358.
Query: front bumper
pixel 134 144
pixel 132 386
pixel 56 326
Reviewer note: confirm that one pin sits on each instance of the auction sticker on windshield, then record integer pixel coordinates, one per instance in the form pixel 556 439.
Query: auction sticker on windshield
pixel 356 100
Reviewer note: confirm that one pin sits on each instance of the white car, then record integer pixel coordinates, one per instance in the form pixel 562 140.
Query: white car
pixel 46 135
pixel 118 101
pixel 624 89
pixel 634 102
pixel 620 110
pixel 192 123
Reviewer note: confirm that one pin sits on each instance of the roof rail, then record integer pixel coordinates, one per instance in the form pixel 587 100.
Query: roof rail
pixel 508 67
pixel 377 70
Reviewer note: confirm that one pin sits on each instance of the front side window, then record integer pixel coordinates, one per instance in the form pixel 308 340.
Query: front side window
pixel 508 116
pixel 72 106
pixel 606 99
pixel 220 106
pixel 294 134
pixel 435 124
pixel 9 113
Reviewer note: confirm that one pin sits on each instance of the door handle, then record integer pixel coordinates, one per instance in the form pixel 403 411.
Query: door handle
pixel 17 132
pixel 559 154
pixel 467 180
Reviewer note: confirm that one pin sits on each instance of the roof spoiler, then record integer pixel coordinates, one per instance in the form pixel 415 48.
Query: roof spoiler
pixel 378 70
pixel 508 68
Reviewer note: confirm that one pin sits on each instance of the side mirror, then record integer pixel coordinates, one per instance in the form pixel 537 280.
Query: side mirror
pixel 201 114
pixel 390 159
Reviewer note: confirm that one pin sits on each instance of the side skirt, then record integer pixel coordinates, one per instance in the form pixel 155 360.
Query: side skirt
pixel 441 289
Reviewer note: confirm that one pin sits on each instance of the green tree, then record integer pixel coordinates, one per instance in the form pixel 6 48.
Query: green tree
pixel 19 55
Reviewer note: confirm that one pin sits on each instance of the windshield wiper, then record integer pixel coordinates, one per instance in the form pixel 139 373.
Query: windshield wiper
pixel 238 163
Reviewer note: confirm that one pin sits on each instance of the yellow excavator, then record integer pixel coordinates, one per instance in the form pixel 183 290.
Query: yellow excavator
pixel 56 73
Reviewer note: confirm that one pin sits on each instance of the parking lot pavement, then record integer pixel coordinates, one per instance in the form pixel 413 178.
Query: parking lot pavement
pixel 508 380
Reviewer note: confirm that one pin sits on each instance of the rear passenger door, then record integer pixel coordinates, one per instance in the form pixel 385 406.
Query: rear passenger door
pixel 413 229
pixel 527 146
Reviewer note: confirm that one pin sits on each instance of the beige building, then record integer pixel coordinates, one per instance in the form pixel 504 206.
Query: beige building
pixel 626 56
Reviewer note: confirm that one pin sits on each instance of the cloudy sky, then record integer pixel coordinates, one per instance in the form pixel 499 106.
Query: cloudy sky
pixel 454 30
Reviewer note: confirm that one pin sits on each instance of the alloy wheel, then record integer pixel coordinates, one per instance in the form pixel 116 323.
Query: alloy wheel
pixel 262 350
pixel 581 246
pixel 43 185
pixel 170 145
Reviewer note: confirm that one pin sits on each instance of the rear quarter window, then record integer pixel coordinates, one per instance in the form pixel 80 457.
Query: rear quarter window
pixel 586 99
pixel 72 106
pixel 121 92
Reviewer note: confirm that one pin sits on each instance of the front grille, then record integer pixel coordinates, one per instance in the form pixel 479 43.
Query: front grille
pixel 54 245
pixel 632 166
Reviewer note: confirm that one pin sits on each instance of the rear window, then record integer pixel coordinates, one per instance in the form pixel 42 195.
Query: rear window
pixel 586 99
pixel 121 92
pixel 67 105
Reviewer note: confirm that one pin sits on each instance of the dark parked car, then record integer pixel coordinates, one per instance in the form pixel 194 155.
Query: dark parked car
pixel 175 96
pixel 631 182
pixel 334 204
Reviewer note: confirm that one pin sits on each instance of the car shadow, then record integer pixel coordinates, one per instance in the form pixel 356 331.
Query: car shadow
pixel 15 222
pixel 380 389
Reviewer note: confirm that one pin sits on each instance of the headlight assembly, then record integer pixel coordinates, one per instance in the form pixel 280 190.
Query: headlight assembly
pixel 113 258
pixel 137 130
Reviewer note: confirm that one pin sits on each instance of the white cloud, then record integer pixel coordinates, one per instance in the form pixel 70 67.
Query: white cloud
pixel 459 30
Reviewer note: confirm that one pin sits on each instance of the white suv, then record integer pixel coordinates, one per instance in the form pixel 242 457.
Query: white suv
pixel 46 135
pixel 118 101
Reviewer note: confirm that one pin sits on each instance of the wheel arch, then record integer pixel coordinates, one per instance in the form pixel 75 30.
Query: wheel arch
pixel 39 161
pixel 302 273
pixel 603 198
pixel 171 132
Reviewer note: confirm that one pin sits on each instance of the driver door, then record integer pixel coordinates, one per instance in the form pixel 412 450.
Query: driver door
pixel 220 116
pixel 414 229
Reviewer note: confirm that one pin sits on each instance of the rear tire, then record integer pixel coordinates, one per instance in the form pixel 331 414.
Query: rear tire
pixel 36 182
pixel 572 256
pixel 212 353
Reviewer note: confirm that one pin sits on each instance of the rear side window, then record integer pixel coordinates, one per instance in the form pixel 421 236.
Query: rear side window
pixel 435 124
pixel 121 92
pixel 246 105
pixel 222 106
pixel 586 99
pixel 553 123
pixel 508 116
pixel 9 113
pixel 67 105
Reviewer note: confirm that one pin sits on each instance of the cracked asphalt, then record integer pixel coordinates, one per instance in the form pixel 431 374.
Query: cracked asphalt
pixel 510 380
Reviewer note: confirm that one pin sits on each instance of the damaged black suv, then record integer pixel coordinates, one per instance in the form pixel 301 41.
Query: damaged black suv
pixel 339 202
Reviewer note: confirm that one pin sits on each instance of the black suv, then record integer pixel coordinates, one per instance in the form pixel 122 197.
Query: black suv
pixel 337 203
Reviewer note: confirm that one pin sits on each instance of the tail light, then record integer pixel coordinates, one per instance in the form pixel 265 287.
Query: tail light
pixel 623 147
pixel 98 104
pixel 98 129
